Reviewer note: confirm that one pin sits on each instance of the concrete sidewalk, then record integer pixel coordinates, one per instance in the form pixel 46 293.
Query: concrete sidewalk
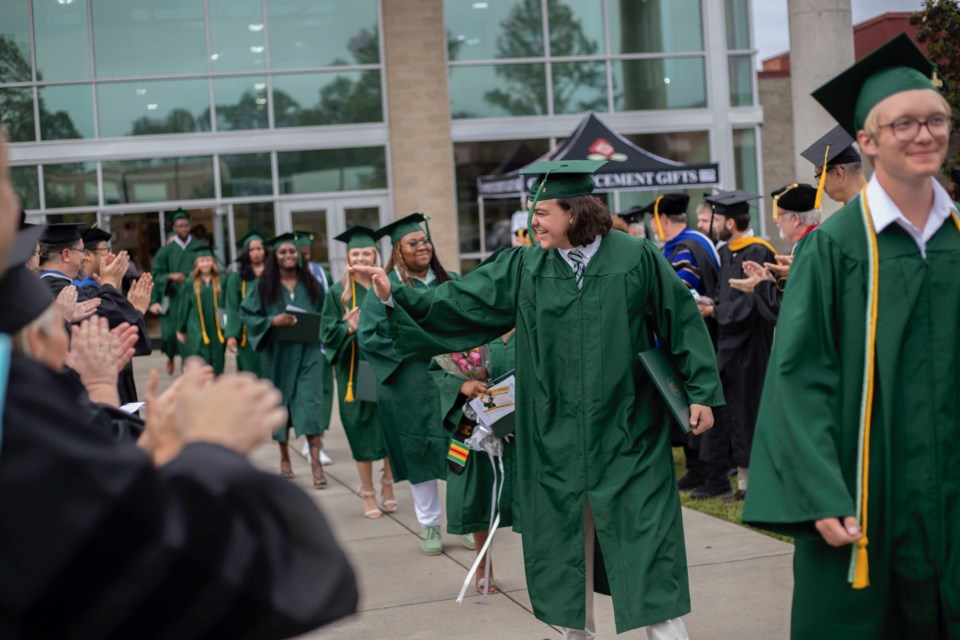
pixel 740 580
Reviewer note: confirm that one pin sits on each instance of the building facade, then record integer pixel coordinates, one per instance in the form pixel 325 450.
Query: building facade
pixel 320 114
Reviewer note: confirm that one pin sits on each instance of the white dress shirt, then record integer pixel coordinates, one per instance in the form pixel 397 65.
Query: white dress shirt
pixel 885 212
pixel 586 250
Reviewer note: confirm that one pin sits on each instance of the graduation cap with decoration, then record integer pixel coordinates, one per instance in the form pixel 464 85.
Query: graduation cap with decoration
pixel 833 148
pixel 23 296
pixel 249 237
pixel 896 66
pixel 796 197
pixel 559 179
pixel 668 204
pixel 407 224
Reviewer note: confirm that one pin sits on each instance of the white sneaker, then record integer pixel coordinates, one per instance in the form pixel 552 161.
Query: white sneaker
pixel 325 460
pixel 305 452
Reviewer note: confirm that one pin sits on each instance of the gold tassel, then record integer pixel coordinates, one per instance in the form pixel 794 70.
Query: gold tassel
pixel 861 579
pixel 656 217
pixel 776 200
pixel 203 325
pixel 243 328
pixel 216 303
pixel 823 179
pixel 348 397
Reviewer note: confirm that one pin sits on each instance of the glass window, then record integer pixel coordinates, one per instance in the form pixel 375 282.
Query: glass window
pixel 70 185
pixel 579 87
pixel 15 65
pixel 254 215
pixel 247 174
pixel 63 48
pixel 241 103
pixel 576 27
pixel 745 166
pixel 655 26
pixel 26 185
pixel 158 179
pixel 301 100
pixel 16 114
pixel 667 83
pixel 365 216
pixel 494 91
pixel 685 146
pixel 741 81
pixel 236 35
pixel 85 218
pixel 66 112
pixel 332 170
pixel 320 33
pixel 495 29
pixel 738 24
pixel 159 106
pixel 145 37
pixel 136 233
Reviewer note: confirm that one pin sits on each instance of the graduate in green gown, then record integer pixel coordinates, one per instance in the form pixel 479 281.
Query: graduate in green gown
pixel 199 329
pixel 305 246
pixel 593 441
pixel 341 318
pixel 469 492
pixel 170 269
pixel 858 438
pixel 294 367
pixel 251 261
pixel 407 400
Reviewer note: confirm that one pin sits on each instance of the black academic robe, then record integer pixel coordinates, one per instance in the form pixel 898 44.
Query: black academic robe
pixel 743 348
pixel 97 543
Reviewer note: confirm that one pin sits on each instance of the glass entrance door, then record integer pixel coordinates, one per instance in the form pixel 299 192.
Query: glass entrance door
pixel 327 218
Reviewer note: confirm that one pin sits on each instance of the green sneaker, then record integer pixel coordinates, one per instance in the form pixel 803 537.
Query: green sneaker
pixel 430 543
pixel 469 542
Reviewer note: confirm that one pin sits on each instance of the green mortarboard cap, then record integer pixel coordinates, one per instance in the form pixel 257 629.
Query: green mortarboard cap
pixel 836 145
pixel 731 202
pixel 253 234
pixel 92 235
pixel 896 66
pixel 200 250
pixel 180 213
pixel 795 197
pixel 23 296
pixel 562 178
pixel 399 228
pixel 303 238
pixel 288 237
pixel 60 234
pixel 358 237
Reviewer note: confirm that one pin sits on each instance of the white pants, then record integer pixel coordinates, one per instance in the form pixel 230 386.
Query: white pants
pixel 426 502
pixel 672 629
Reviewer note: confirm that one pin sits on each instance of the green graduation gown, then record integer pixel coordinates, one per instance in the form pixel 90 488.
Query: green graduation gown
pixel 359 419
pixel 407 398
pixel 189 322
pixel 236 290
pixel 590 424
pixel 469 493
pixel 294 367
pixel 170 259
pixel 804 463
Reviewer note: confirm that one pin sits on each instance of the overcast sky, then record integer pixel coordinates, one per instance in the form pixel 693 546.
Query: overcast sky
pixel 770 20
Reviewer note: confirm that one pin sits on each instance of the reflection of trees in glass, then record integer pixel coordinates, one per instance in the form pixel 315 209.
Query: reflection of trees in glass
pixel 16 105
pixel 525 91
pixel 177 121
pixel 65 185
pixel 356 169
pixel 247 113
pixel 343 100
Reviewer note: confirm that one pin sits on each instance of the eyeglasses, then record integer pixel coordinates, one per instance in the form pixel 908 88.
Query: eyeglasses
pixel 416 244
pixel 907 129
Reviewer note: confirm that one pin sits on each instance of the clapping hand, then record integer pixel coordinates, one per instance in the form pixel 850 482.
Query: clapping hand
pixel 72 310
pixel 755 275
pixel 139 293
pixel 782 269
pixel 112 269
pixel 97 354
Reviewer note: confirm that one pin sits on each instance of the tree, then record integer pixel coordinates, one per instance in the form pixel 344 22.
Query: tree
pixel 938 27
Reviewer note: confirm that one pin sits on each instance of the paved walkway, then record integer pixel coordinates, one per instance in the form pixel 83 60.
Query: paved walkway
pixel 740 580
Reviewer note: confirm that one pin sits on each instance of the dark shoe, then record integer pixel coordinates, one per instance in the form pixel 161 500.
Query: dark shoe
pixel 736 496
pixel 710 491
pixel 690 481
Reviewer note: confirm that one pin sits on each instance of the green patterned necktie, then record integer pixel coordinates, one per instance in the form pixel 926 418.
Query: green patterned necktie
pixel 576 257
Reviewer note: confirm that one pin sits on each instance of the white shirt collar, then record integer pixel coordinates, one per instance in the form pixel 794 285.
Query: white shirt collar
pixel 431 276
pixel 586 250
pixel 183 245
pixel 885 212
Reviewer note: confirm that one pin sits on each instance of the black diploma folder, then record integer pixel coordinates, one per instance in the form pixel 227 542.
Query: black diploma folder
pixel 667 379
pixel 306 330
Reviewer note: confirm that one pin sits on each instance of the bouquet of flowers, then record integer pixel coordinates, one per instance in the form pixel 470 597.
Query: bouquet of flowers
pixel 466 365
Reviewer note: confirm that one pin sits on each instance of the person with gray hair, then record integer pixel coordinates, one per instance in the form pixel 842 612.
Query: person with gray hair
pixel 837 166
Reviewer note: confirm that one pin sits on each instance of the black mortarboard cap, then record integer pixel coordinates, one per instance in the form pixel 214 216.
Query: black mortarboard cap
pixel 93 235
pixel 633 215
pixel 836 145
pixel 731 202
pixel 23 296
pixel 60 234
pixel 896 66
pixel 794 197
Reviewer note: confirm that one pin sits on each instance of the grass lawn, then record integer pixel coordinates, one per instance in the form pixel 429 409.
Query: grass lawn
pixel 729 511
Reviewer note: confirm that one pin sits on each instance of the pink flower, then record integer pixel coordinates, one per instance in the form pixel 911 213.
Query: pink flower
pixel 475 358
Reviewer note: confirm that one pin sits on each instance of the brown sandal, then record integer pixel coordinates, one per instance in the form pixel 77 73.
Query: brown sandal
pixel 286 470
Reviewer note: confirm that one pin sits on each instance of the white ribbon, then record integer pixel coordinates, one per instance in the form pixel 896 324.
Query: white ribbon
pixel 494 524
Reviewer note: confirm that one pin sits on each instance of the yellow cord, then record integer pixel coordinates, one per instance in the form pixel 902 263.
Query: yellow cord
pixel 656 217
pixel 243 327
pixel 348 396
pixel 203 325
pixel 823 179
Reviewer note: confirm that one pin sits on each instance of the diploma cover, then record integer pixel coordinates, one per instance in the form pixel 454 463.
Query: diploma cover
pixel 306 329
pixel 365 388
pixel 667 379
